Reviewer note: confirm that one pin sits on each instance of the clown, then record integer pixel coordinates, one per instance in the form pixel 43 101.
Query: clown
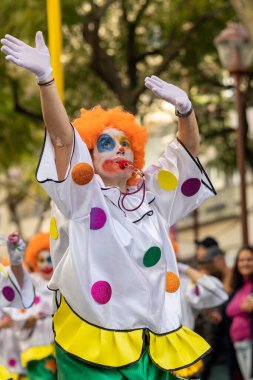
pixel 15 282
pixel 116 281
pixel 33 327
pixel 16 291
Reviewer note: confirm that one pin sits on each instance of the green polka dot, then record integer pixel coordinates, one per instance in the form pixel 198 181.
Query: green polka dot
pixel 152 256
pixel 167 180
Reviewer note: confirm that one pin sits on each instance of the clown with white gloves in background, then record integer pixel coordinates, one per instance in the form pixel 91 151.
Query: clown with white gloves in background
pixel 16 291
pixel 15 283
pixel 116 282
pixel 33 328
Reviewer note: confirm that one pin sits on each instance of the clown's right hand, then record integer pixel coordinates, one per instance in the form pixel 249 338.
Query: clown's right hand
pixel 36 60
pixel 16 249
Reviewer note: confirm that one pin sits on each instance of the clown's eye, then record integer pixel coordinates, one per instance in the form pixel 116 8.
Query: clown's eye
pixel 125 144
pixel 105 142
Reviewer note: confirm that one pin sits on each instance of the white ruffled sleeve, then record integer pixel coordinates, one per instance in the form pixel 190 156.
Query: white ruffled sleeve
pixel 179 183
pixel 11 293
pixel 207 292
pixel 73 194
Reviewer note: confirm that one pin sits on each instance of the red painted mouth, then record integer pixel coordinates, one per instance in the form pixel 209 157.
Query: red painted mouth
pixel 46 271
pixel 117 163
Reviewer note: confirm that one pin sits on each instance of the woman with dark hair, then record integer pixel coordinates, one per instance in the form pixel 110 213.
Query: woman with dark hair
pixel 240 310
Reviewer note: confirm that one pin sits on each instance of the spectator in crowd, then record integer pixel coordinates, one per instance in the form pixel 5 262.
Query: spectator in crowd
pixel 213 323
pixel 240 310
pixel 199 291
pixel 203 245
pixel 215 260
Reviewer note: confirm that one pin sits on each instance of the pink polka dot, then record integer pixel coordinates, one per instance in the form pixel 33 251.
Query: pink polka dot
pixel 8 293
pixel 101 291
pixel 12 362
pixel 97 218
pixel 37 300
pixel 190 187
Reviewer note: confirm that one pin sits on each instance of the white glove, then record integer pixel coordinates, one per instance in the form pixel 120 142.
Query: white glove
pixel 16 248
pixel 36 60
pixel 170 93
pixel 182 268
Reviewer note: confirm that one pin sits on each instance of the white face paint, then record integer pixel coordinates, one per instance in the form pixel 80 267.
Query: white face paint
pixel 44 264
pixel 112 155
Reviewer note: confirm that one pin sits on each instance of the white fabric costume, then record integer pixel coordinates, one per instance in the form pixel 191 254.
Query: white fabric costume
pixel 11 293
pixel 10 349
pixel 34 341
pixel 111 265
pixel 13 296
pixel 205 293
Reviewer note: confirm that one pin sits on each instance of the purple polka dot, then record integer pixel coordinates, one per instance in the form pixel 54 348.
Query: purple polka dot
pixel 8 293
pixel 97 218
pixel 196 290
pixel 12 362
pixel 101 291
pixel 190 187
pixel 37 300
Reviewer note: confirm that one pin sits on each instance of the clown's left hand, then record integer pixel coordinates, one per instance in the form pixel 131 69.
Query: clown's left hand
pixel 16 248
pixel 170 93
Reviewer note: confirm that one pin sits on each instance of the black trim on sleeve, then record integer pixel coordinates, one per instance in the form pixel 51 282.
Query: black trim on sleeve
pixel 209 185
pixel 20 293
pixel 70 161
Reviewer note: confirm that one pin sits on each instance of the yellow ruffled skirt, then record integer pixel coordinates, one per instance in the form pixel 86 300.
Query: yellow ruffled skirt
pixel 172 351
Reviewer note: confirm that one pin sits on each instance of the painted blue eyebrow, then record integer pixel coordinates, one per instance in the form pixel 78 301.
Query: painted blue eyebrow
pixel 105 143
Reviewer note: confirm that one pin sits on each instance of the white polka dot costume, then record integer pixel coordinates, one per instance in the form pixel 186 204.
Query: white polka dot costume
pixel 114 263
pixel 11 293
pixel 35 342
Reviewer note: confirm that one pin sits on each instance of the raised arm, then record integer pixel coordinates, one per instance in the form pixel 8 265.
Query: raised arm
pixel 37 60
pixel 16 248
pixel 188 132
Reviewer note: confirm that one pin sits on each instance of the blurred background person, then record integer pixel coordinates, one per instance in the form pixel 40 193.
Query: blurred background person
pixel 16 291
pixel 214 262
pixel 34 326
pixel 199 291
pixel 203 245
pixel 15 282
pixel 240 310
pixel 212 323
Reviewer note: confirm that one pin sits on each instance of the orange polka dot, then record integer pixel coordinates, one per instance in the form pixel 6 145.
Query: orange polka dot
pixel 172 282
pixel 82 173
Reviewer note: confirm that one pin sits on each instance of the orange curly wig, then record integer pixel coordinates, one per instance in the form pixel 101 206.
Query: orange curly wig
pixel 38 243
pixel 91 124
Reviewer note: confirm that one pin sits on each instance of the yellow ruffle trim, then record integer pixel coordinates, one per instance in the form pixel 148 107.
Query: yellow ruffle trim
pixel 109 348
pixel 178 349
pixel 36 353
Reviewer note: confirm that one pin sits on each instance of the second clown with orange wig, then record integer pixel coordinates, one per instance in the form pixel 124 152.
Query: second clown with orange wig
pixel 34 326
